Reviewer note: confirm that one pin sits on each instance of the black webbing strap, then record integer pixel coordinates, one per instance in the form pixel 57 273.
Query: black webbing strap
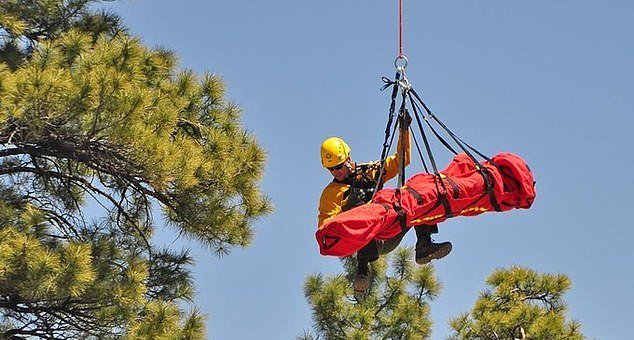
pixel 431 127
pixel 425 140
pixel 401 152
pixel 402 115
pixel 457 140
pixel 445 204
pixel 483 171
pixel 388 130
pixel 442 198
pixel 386 206
pixel 420 153
pixel 454 186
pixel 379 179
pixel 489 187
pixel 462 145
pixel 390 118
pixel 476 151
pixel 416 194
pixel 441 194
pixel 402 217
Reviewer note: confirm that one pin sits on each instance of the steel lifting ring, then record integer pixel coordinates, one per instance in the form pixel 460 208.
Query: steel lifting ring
pixel 401 61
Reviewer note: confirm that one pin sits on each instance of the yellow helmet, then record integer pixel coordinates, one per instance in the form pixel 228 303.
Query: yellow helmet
pixel 334 151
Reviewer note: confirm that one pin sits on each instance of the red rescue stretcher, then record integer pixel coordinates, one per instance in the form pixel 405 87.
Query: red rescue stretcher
pixel 504 183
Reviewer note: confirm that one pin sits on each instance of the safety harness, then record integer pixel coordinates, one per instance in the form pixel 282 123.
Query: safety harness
pixel 362 185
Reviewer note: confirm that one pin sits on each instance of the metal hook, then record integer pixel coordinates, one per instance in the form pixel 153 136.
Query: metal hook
pixel 404 82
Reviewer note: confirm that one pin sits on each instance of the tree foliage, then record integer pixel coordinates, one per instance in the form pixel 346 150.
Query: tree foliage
pixel 396 307
pixel 24 23
pixel 97 132
pixel 519 304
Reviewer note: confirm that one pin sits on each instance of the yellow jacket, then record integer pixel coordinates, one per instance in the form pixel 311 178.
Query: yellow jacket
pixel 334 197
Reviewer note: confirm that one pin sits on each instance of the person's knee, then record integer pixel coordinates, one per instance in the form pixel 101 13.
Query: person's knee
pixel 391 244
pixel 370 252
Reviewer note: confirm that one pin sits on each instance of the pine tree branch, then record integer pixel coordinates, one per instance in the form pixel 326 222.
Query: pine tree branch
pixel 62 311
pixel 84 184
pixel 388 300
pixel 88 156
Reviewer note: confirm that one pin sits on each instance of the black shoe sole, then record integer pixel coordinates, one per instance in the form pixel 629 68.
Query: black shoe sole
pixel 438 254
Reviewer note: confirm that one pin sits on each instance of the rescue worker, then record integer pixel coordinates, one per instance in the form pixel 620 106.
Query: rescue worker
pixel 353 185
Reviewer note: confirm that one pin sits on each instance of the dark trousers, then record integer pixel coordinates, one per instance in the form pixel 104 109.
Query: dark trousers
pixel 372 250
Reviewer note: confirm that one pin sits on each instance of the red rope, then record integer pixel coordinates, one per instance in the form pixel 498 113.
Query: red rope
pixel 400 28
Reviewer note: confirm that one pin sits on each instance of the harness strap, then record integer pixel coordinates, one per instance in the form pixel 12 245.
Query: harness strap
pixel 389 134
pixel 454 187
pixel 442 198
pixel 386 206
pixel 445 204
pixel 416 194
pixel 456 139
pixel 402 217
pixel 431 127
pixel 489 189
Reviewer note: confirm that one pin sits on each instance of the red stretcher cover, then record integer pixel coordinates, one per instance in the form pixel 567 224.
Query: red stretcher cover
pixel 509 176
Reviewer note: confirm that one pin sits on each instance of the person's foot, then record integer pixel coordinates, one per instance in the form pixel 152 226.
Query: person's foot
pixel 432 251
pixel 361 284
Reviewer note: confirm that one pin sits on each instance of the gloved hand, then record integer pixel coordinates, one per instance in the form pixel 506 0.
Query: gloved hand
pixel 405 120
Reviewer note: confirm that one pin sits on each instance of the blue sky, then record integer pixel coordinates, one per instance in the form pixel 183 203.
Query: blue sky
pixel 549 80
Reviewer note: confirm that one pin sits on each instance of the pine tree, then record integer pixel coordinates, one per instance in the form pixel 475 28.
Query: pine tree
pixel 520 304
pixel 24 23
pixel 396 307
pixel 91 117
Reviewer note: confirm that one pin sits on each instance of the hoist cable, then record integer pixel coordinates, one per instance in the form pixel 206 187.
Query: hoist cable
pixel 400 29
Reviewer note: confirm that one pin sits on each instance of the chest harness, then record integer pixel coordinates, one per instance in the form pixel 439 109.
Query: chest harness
pixel 362 185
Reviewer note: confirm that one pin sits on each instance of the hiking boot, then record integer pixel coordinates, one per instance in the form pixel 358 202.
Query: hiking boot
pixel 361 282
pixel 425 253
pixel 426 249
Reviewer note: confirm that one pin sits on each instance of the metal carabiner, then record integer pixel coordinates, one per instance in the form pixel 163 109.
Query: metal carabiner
pixel 401 63
pixel 403 82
